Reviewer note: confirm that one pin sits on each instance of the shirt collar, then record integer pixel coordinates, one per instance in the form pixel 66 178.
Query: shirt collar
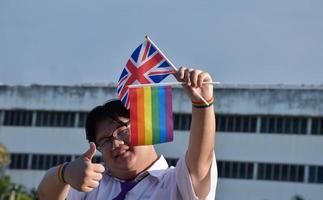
pixel 158 168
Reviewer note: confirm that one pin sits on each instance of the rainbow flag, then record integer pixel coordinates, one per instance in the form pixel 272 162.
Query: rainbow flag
pixel 151 117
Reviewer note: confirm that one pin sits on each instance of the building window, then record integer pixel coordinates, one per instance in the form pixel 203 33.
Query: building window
pixel 280 172
pixel 225 123
pixel 17 118
pixel 278 124
pixel 59 159
pixel 229 169
pixel 182 121
pixel 317 126
pixel 82 119
pixel 18 161
pixel 315 174
pixel 54 118
pixel 236 123
pixel 46 161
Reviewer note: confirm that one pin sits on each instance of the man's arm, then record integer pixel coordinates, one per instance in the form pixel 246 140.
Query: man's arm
pixel 51 187
pixel 81 174
pixel 199 155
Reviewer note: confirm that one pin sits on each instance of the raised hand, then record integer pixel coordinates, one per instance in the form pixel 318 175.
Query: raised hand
pixel 82 174
pixel 194 83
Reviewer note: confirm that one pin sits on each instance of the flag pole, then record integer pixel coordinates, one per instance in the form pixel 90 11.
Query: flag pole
pixel 173 66
pixel 161 52
pixel 165 84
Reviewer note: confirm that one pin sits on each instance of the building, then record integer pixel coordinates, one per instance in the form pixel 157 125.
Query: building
pixel 269 142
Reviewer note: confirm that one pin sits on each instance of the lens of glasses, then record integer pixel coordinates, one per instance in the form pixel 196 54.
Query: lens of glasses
pixel 123 135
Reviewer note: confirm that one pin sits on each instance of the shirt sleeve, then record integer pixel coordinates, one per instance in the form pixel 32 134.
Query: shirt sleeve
pixel 184 181
pixel 75 195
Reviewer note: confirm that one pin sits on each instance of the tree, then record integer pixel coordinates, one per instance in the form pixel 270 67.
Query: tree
pixel 4 159
pixel 7 188
pixel 10 190
pixel 5 183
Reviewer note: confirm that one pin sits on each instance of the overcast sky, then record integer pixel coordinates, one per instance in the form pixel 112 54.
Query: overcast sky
pixel 85 41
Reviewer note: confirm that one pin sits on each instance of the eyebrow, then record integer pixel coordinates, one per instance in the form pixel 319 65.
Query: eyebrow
pixel 104 137
pixel 121 124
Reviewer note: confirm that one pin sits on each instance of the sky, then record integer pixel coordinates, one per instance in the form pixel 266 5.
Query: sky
pixel 237 42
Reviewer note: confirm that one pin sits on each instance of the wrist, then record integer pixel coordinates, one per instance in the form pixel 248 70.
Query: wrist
pixel 61 172
pixel 203 104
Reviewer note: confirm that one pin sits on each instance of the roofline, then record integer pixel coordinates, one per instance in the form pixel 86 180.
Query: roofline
pixel 225 86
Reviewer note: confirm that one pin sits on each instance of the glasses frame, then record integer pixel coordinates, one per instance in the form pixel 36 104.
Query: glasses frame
pixel 114 135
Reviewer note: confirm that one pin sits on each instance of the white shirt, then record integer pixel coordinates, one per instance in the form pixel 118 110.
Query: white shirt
pixel 162 183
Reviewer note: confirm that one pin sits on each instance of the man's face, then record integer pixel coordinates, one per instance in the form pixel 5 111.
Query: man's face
pixel 113 140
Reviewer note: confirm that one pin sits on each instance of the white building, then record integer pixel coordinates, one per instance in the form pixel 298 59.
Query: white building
pixel 269 142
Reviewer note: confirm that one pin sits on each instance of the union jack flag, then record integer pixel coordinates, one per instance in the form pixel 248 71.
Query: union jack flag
pixel 146 65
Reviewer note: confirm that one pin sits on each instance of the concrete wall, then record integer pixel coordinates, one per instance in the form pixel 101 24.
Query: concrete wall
pixel 283 100
pixel 29 178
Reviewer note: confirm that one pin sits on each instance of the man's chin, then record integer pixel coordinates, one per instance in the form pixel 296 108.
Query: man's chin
pixel 125 160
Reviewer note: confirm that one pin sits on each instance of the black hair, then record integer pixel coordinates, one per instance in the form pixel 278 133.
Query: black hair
pixel 110 110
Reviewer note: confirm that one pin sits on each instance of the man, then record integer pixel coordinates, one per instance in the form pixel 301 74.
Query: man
pixel 136 172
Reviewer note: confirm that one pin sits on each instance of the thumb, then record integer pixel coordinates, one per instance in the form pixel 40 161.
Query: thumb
pixel 90 152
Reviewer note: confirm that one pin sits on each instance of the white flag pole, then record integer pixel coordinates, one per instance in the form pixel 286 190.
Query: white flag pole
pixel 165 84
pixel 161 52
pixel 173 66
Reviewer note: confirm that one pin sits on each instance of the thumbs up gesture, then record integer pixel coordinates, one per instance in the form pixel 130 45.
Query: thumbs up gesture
pixel 82 174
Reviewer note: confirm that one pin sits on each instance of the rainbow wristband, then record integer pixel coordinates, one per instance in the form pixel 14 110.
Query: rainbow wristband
pixel 202 104
pixel 63 172
pixel 59 171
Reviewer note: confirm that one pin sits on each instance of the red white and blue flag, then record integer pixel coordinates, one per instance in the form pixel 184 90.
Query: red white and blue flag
pixel 146 65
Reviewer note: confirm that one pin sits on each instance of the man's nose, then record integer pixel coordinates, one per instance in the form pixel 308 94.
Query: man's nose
pixel 117 143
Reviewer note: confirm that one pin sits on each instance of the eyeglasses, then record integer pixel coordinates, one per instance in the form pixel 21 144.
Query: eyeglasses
pixel 120 133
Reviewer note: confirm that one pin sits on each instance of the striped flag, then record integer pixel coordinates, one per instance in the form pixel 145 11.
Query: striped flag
pixel 151 118
pixel 145 65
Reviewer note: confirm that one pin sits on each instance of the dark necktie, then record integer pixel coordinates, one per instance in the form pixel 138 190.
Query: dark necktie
pixel 126 187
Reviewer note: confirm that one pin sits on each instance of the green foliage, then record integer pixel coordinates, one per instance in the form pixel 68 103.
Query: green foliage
pixel 9 189
pixel 4 156
pixel 4 160
pixel 34 194
pixel 5 185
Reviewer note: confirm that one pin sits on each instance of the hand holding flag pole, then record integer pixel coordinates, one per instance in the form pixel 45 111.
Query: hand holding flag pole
pixel 173 66
pixel 147 66
pixel 151 111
